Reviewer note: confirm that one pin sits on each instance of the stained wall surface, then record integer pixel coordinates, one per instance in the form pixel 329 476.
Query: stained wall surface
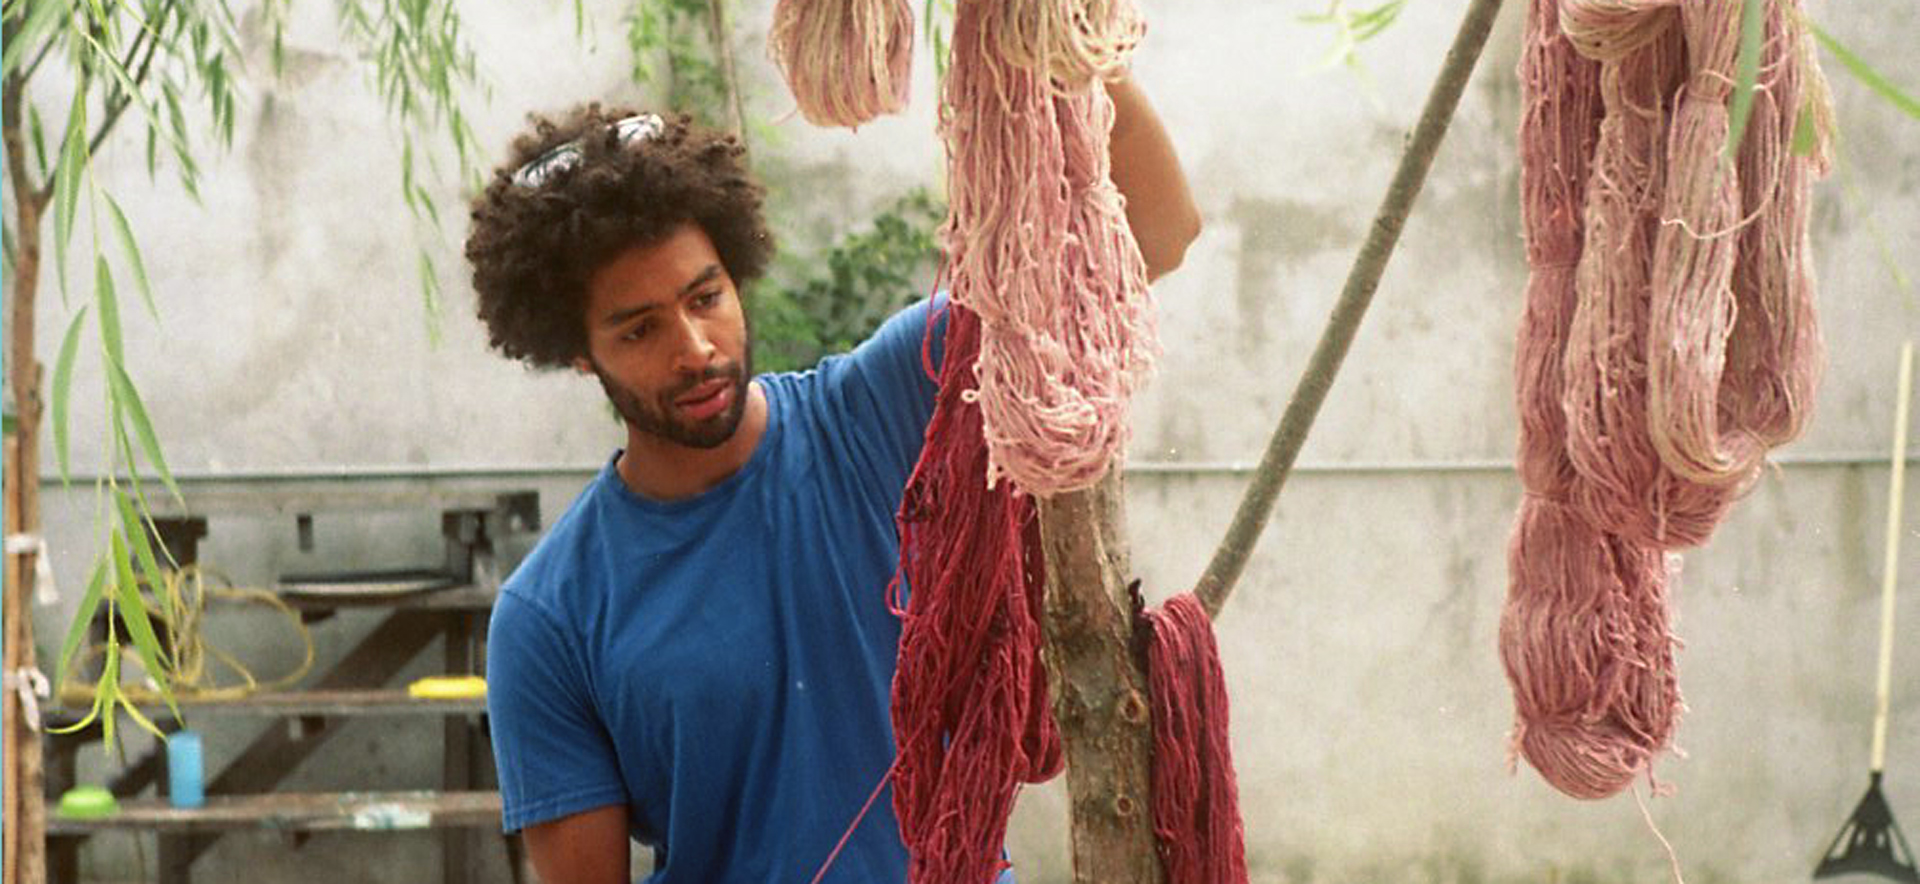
pixel 1370 713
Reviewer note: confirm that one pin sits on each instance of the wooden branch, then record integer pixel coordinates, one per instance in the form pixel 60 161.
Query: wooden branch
pixel 139 78
pixel 1362 280
pixel 1098 687
pixel 717 22
pixel 23 806
pixel 34 65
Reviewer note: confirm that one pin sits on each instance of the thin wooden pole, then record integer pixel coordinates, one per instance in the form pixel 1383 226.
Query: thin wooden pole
pixel 1362 280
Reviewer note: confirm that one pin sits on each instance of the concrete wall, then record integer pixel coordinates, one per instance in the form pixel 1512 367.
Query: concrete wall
pixel 1370 712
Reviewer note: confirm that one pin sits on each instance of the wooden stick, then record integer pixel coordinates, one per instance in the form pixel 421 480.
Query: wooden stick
pixel 1890 570
pixel 1257 505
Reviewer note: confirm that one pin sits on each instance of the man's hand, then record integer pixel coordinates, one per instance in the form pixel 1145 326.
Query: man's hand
pixel 1160 209
pixel 586 848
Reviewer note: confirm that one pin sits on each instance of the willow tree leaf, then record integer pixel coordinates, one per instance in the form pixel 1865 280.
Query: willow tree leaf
pixel 135 413
pixel 82 618
pixel 1746 71
pixel 1806 131
pixel 63 389
pixel 133 612
pixel 1866 74
pixel 109 301
pixel 66 181
pixel 132 249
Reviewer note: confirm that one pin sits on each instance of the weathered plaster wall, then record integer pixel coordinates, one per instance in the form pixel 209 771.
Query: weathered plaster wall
pixel 1370 713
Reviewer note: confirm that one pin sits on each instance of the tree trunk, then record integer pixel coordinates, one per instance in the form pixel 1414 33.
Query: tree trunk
pixel 24 803
pixel 1099 688
pixel 723 49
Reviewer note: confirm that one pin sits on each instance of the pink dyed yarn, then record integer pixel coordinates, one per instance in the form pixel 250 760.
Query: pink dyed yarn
pixel 1668 340
pixel 847 61
pixel 1038 246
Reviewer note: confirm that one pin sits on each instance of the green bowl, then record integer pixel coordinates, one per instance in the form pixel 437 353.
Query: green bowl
pixel 88 803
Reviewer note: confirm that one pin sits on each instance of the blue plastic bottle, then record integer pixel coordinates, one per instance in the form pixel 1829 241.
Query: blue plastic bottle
pixel 185 785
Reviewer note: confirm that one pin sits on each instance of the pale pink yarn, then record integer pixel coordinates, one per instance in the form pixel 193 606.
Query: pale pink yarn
pixel 847 61
pixel 1037 245
pixel 1668 339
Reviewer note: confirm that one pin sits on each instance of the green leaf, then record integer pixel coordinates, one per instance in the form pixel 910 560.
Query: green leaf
pixel 109 308
pixel 1806 131
pixel 128 399
pixel 42 20
pixel 133 612
pixel 1746 71
pixel 39 136
pixel 132 249
pixel 63 389
pixel 66 181
pixel 136 526
pixel 1866 74
pixel 82 618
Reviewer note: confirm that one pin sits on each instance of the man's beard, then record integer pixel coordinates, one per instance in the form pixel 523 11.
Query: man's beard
pixel 657 417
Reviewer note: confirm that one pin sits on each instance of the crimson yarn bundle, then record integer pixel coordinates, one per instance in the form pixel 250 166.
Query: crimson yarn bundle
pixel 971 719
pixel 1196 803
pixel 1667 341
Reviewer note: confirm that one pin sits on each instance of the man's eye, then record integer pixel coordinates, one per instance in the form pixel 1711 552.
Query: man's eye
pixel 707 299
pixel 637 332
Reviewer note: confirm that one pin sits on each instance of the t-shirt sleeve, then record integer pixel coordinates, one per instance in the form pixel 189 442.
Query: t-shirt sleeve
pixel 890 381
pixel 554 755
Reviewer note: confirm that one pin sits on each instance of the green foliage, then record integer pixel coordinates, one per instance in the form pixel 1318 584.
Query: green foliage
pixel 1352 28
pixel 155 56
pixel 1866 74
pixel 1753 20
pixel 672 46
pixel 422 67
pixel 827 303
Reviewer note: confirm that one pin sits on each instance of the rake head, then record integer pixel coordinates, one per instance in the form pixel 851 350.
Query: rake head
pixel 1870 843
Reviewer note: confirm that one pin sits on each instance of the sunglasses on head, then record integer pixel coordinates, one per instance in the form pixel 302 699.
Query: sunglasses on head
pixel 545 167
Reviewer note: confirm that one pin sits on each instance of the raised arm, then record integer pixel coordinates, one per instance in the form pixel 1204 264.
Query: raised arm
pixel 1160 208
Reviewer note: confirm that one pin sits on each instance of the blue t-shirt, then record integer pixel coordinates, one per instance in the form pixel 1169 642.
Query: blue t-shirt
pixel 721 665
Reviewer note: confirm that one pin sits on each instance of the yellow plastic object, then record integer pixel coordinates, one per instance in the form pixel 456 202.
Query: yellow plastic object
pixel 448 687
pixel 88 803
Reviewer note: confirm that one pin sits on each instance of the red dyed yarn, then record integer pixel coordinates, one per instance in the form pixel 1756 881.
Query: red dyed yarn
pixel 1196 804
pixel 971 718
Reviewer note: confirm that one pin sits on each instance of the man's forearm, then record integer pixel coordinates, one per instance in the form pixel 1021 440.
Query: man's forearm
pixel 1160 209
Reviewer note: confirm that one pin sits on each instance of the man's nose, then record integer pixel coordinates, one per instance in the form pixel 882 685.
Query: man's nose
pixel 695 348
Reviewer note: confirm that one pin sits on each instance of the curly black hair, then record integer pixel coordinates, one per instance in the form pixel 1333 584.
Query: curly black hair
pixel 533 249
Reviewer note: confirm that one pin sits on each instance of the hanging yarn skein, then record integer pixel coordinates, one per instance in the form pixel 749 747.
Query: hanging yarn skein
pixel 1074 43
pixel 1566 638
pixel 1196 802
pixel 1667 340
pixel 971 719
pixel 1038 246
pixel 846 61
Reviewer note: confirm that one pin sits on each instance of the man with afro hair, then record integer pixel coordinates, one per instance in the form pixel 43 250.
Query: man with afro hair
pixel 697 655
